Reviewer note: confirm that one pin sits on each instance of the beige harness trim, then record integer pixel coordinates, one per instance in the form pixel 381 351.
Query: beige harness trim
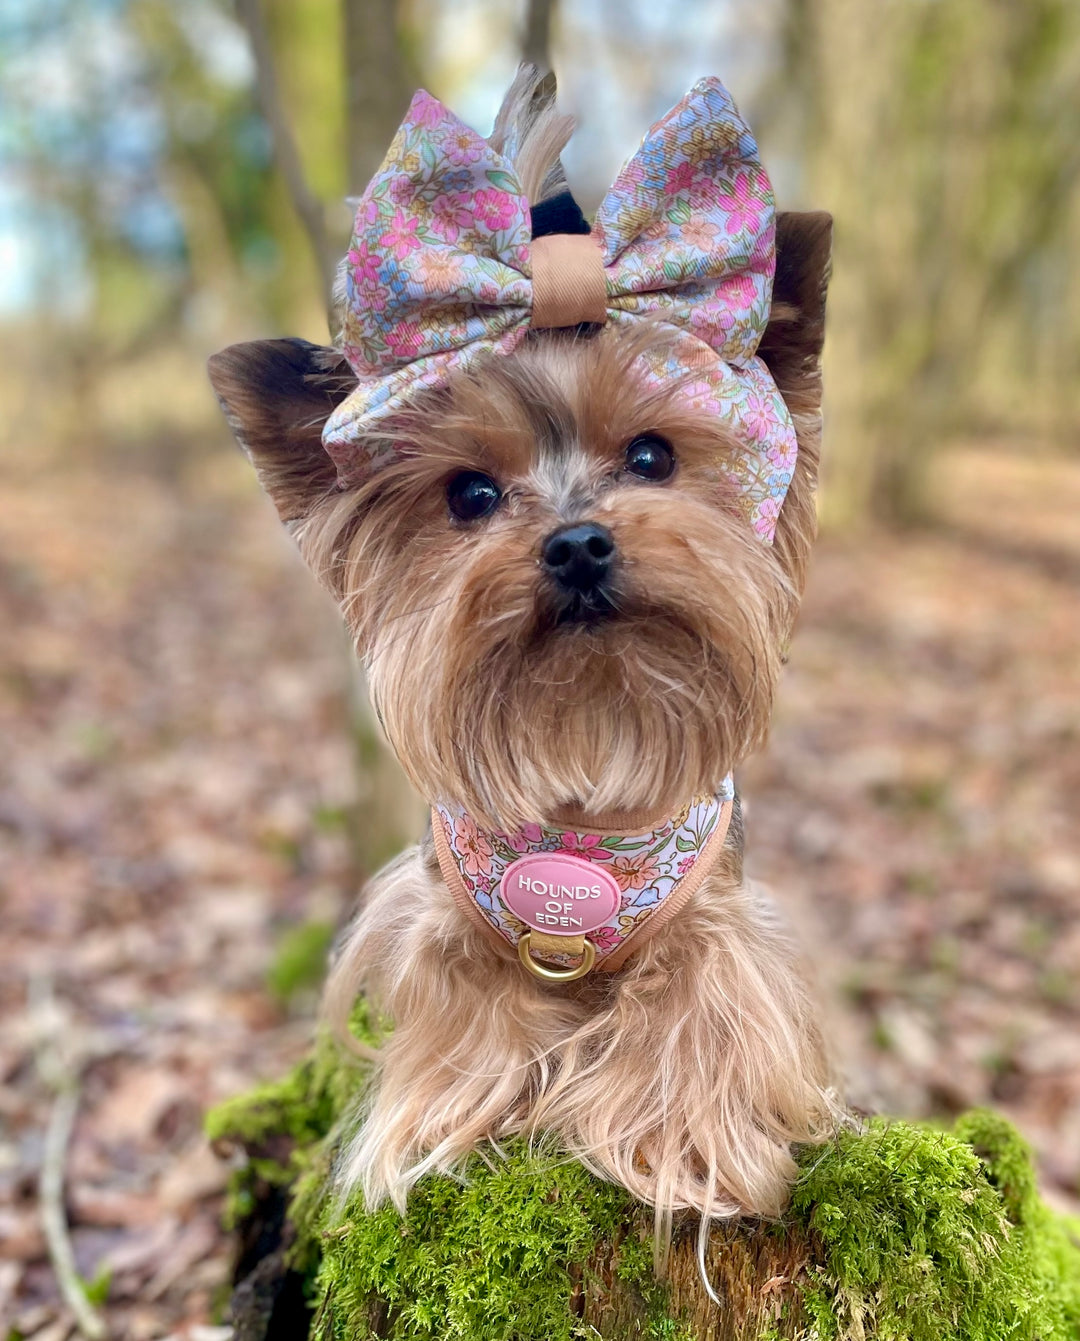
pixel 452 877
pixel 542 943
pixel 569 284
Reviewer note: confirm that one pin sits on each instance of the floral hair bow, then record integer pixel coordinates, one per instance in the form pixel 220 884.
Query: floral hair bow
pixel 442 266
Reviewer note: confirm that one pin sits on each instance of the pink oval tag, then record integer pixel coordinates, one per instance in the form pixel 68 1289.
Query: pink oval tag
pixel 559 894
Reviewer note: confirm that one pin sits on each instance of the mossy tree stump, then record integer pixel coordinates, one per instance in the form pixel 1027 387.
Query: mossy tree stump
pixel 899 1231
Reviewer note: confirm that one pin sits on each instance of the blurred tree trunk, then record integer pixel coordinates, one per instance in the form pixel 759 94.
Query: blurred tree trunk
pixel 378 85
pixel 536 39
pixel 309 209
pixel 306 41
pixel 299 72
pixel 934 133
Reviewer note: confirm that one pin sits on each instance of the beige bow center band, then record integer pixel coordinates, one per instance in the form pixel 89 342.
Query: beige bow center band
pixel 569 285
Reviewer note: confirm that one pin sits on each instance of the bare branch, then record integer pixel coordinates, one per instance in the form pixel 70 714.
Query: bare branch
pixel 54 1220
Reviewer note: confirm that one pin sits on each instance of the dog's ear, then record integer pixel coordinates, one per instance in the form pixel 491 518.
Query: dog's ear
pixel 791 345
pixel 277 395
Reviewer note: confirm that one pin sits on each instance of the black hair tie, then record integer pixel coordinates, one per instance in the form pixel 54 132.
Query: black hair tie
pixel 558 214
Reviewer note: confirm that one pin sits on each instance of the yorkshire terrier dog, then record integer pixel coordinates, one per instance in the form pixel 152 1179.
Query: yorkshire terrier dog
pixel 560 478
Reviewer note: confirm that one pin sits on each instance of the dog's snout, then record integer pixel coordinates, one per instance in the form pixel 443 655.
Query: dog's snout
pixel 579 557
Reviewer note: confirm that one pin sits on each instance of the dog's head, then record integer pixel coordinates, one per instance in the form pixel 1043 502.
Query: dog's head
pixel 557 596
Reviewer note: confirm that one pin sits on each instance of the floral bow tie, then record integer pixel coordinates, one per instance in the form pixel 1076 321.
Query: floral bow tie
pixel 442 265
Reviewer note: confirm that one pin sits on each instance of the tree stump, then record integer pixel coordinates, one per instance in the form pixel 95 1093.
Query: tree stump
pixel 899 1231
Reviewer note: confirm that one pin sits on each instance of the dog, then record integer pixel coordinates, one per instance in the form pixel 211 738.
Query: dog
pixel 570 546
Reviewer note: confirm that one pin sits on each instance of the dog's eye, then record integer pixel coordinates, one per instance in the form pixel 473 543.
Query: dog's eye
pixel 471 495
pixel 650 457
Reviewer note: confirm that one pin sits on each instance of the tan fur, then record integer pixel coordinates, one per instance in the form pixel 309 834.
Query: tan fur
pixel 685 1077
pixel 688 1074
pixel 485 701
pixel 532 132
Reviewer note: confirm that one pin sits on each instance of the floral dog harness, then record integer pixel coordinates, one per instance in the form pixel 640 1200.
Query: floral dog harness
pixel 578 899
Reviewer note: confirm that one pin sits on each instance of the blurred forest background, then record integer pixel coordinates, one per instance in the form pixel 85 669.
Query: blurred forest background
pixel 189 794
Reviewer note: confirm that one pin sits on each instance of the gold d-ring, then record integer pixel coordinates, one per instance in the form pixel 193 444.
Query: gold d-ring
pixel 588 959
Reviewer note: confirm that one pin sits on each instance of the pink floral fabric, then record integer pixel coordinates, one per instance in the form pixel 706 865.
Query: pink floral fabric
pixel 648 867
pixel 439 275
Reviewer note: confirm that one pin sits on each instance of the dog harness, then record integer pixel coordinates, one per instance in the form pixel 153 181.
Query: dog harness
pixel 568 898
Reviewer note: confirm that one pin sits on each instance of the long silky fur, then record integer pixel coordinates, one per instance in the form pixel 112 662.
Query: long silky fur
pixel 485 703
pixel 687 1075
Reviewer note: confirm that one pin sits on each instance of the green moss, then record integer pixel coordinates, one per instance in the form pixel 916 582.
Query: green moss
pixel 280 1127
pixel 305 1105
pixel 917 1234
pixel 1049 1242
pixel 494 1257
pixel 299 959
pixel 97 1289
pixel 283 1126
pixel 290 1114
pixel 926 1235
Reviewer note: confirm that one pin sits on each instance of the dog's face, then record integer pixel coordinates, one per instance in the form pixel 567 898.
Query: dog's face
pixel 558 598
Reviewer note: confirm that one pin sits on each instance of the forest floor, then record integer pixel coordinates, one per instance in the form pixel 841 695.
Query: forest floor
pixel 176 778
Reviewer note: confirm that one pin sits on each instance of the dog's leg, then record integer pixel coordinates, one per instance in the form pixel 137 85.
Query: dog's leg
pixel 703 1067
pixel 474 1037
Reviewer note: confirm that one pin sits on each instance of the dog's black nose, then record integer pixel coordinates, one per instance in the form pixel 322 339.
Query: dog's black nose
pixel 579 557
